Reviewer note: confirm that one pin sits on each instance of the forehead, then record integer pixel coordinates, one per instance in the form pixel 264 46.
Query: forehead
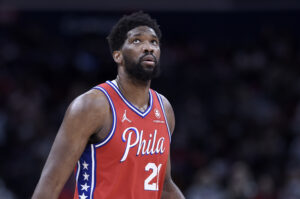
pixel 141 30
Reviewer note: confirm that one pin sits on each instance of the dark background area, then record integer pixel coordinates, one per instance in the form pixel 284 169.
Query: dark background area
pixel 232 77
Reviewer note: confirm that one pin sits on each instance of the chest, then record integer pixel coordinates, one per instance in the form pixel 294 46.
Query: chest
pixel 135 135
pixel 139 137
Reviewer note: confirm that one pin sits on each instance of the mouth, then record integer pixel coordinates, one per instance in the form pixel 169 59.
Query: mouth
pixel 148 59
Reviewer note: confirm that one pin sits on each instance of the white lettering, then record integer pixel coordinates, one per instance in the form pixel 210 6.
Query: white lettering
pixel 142 144
pixel 160 145
pixel 154 139
pixel 149 144
pixel 145 146
pixel 129 144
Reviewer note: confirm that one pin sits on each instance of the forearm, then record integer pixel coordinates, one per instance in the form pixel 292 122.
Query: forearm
pixel 171 191
pixel 46 189
pixel 52 180
pixel 56 172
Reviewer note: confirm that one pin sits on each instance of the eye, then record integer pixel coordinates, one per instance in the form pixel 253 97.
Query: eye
pixel 155 42
pixel 136 41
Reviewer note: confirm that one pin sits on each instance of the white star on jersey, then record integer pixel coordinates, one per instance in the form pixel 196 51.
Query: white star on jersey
pixel 84 187
pixel 85 165
pixel 86 176
pixel 82 196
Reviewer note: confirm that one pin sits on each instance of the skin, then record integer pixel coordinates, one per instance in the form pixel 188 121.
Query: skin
pixel 89 116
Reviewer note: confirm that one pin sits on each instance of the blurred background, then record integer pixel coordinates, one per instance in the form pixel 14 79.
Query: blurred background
pixel 231 70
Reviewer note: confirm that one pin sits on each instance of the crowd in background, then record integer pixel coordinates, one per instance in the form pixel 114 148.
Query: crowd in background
pixel 236 102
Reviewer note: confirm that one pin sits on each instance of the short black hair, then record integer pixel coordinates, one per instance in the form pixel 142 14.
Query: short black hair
pixel 118 34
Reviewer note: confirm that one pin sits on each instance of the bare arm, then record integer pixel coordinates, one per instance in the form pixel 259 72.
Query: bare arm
pixel 170 190
pixel 83 118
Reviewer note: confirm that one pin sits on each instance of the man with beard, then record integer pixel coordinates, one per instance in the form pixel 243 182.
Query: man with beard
pixel 118 134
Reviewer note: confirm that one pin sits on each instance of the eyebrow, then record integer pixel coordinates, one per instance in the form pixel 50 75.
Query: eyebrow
pixel 139 34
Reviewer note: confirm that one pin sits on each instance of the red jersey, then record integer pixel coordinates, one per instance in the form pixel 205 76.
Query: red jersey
pixel 130 163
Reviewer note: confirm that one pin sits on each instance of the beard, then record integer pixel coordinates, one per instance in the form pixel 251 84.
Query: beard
pixel 138 71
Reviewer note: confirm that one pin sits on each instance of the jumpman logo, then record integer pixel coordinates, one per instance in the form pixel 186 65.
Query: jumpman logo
pixel 125 117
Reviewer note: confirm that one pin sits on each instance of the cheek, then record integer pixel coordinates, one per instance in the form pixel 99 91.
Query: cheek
pixel 131 52
pixel 157 54
pixel 130 55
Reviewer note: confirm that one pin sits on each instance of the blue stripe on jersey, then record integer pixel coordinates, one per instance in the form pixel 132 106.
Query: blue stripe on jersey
pixel 86 177
pixel 163 109
pixel 132 107
pixel 113 128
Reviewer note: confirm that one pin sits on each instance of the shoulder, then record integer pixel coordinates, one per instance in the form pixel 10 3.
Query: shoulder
pixel 91 105
pixel 86 115
pixel 169 112
pixel 90 101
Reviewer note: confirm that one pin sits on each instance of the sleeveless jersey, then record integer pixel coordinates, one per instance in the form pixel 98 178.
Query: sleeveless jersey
pixel 130 163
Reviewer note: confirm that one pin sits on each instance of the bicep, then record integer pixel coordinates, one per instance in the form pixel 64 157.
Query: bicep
pixel 171 123
pixel 77 127
pixel 68 145
pixel 168 171
pixel 79 123
pixel 170 189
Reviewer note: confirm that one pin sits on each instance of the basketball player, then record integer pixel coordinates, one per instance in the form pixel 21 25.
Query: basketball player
pixel 118 134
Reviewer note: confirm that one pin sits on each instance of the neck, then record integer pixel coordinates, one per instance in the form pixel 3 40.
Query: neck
pixel 134 90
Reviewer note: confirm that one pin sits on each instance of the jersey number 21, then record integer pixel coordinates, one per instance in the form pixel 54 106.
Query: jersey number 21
pixel 155 173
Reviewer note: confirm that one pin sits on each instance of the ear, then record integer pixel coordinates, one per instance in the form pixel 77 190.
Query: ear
pixel 118 57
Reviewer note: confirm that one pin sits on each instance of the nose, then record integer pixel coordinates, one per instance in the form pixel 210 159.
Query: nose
pixel 148 47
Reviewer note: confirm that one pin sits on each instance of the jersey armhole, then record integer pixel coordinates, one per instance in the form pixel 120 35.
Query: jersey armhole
pixel 165 116
pixel 113 128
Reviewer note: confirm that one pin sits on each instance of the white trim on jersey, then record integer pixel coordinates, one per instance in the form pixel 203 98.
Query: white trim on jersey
pixel 132 107
pixel 163 109
pixel 93 171
pixel 78 170
pixel 86 178
pixel 112 131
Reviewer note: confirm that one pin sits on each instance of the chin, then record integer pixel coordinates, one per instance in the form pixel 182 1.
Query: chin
pixel 148 66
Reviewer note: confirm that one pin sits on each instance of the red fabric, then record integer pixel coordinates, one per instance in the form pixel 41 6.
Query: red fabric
pixel 129 178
